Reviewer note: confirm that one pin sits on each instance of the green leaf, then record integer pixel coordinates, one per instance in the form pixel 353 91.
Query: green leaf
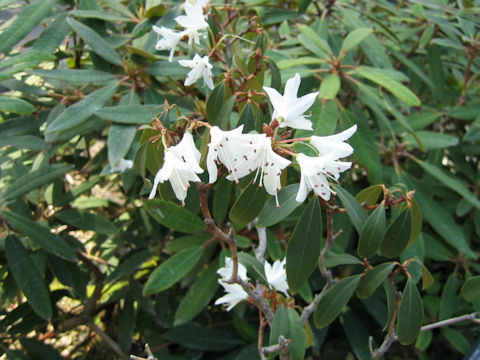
pixel 25 21
pixel 427 278
pixel 86 221
pixel 392 85
pixel 128 265
pixel 221 199
pixel 225 112
pixel 431 140
pixel 73 77
pixel 215 101
pixel 40 235
pixel 40 350
pixel 373 278
pixel 33 55
pixel 15 105
pixel 173 216
pixel 130 114
pixel 371 236
pixel 172 270
pixel 410 314
pixel 271 214
pixel 120 138
pixel 126 323
pixel 449 297
pixel 28 277
pixel 33 180
pixel 397 235
pixel 332 259
pixel 355 38
pixel 357 334
pixel 355 212
pixel 80 111
pixel 201 338
pixel 369 195
pixel 417 222
pixel 457 340
pixel 332 303
pixel 390 293
pixel 305 60
pixel 304 246
pixel 451 182
pixel 287 323
pixel 471 289
pixel 254 267
pixel 276 81
pixel 313 42
pixel 249 204
pixel 198 296
pixel 96 42
pixel 329 87
pixel 29 142
pixel 97 14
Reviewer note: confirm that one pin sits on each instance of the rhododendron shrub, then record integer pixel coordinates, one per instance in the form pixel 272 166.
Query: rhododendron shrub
pixel 228 180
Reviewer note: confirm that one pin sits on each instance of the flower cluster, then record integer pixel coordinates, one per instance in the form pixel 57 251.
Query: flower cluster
pixel 242 154
pixel 275 274
pixel 192 22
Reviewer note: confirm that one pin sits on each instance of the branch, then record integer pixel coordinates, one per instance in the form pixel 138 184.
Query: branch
pixel 390 339
pixel 282 345
pixel 310 309
pixel 108 340
pixel 257 299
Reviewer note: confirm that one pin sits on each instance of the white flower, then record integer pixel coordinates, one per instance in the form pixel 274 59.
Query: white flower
pixel 226 271
pixel 201 67
pixel 168 41
pixel 232 149
pixel 270 165
pixel 314 173
pixel 234 292
pixel 334 143
pixel 288 109
pixel 193 21
pixel 121 166
pixel 277 275
pixel 180 166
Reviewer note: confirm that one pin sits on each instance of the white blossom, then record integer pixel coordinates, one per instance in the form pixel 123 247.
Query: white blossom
pixel 287 108
pixel 201 67
pixel 169 40
pixel 233 149
pixel 314 173
pixel 334 143
pixel 234 292
pixel 179 167
pixel 277 276
pixel 193 21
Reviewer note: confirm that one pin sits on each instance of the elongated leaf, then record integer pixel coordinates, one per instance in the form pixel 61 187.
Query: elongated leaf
pixel 86 221
pixel 313 42
pixel 23 142
pixel 129 265
pixel 287 323
pixel 80 111
pixel 198 296
pixel 254 267
pixel 201 338
pixel 329 87
pixel 395 87
pixel 129 114
pixel 427 278
pixel 15 105
pixel 271 214
pixel 355 38
pixel 357 334
pixel 172 270
pixel 173 216
pixel 304 246
pixel 120 138
pixel 95 41
pixel 28 277
pixel 40 235
pixel 397 235
pixel 391 301
pixel 40 350
pixel 471 289
pixel 371 236
pixel 33 55
pixel 102 15
pixel 53 35
pixel 457 340
pixel 369 195
pixel 373 279
pixel 451 182
pixel 33 180
pixel 76 76
pixel 26 20
pixel 332 259
pixel 249 204
pixel 410 314
pixel 448 298
pixel 334 300
pixel 355 212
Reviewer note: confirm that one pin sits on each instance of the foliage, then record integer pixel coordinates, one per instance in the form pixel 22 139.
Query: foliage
pixel 91 111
